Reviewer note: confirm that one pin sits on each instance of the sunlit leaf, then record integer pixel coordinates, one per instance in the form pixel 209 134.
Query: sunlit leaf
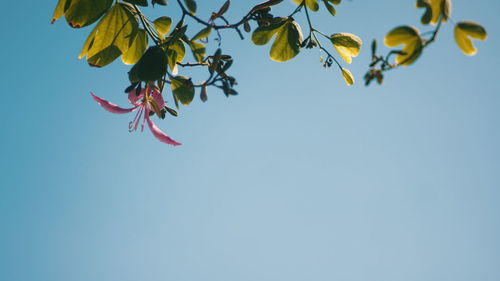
pixel 434 10
pixel 263 34
pixel 349 79
pixel 61 7
pixel 198 50
pixel 466 29
pixel 347 45
pixel 81 13
pixel 287 43
pixel 311 4
pixel 175 53
pixel 288 39
pixel 162 25
pixel 410 37
pixel 202 34
pixel 111 37
pixel 183 89
pixel 137 49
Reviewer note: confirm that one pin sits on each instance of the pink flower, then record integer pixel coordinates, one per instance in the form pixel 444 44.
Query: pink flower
pixel 153 101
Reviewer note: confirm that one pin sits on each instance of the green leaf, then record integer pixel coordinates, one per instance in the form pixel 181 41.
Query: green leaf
pixel 202 34
pixel 263 34
pixel 287 43
pixel 330 7
pixel 198 50
pixel 427 17
pixel 335 2
pixel 162 25
pixel 410 37
pixel 175 53
pixel 61 8
pixel 265 5
pixel 143 3
pixel 349 79
pixel 347 45
pixel 311 4
pixel 466 29
pixel 151 67
pixel 183 89
pixel 191 5
pixel 159 2
pixel 81 13
pixel 288 39
pixel 137 49
pixel 111 37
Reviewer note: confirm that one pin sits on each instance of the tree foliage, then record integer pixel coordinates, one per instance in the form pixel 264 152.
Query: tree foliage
pixel 157 49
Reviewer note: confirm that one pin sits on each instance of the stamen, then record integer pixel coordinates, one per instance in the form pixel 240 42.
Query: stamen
pixel 133 124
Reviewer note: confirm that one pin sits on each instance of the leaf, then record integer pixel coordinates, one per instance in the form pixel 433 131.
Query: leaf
pixel 349 79
pixel 162 25
pixel 115 33
pixel 287 43
pixel 61 7
pixel 264 5
pixel 137 49
pixel 143 3
pixel 191 5
pixel 202 34
pixel 81 13
pixel 221 11
pixel 198 50
pixel 175 53
pixel 151 67
pixel 311 4
pixel 410 37
pixel 263 34
pixel 159 2
pixel 427 16
pixel 183 89
pixel 347 45
pixel 466 29
pixel 203 94
pixel 288 39
pixel 330 7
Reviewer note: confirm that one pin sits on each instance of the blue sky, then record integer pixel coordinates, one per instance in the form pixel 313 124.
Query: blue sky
pixel 299 177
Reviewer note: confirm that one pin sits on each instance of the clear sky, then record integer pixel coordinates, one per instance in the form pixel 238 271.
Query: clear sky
pixel 298 178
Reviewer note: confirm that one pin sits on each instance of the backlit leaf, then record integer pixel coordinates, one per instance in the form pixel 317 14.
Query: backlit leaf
pixel 202 34
pixel 347 45
pixel 162 25
pixel 466 29
pixel 151 67
pixel 349 79
pixel 81 13
pixel 111 37
pixel 137 49
pixel 311 4
pixel 410 37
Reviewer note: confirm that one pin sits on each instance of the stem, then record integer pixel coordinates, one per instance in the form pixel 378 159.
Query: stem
pixel 312 32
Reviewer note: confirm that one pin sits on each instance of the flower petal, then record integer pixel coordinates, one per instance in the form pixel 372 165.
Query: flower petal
pixel 161 136
pixel 156 95
pixel 133 98
pixel 113 108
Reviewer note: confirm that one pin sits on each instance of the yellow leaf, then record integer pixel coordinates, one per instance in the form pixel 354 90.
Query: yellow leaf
pixel 347 45
pixel 410 37
pixel 466 29
pixel 349 79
